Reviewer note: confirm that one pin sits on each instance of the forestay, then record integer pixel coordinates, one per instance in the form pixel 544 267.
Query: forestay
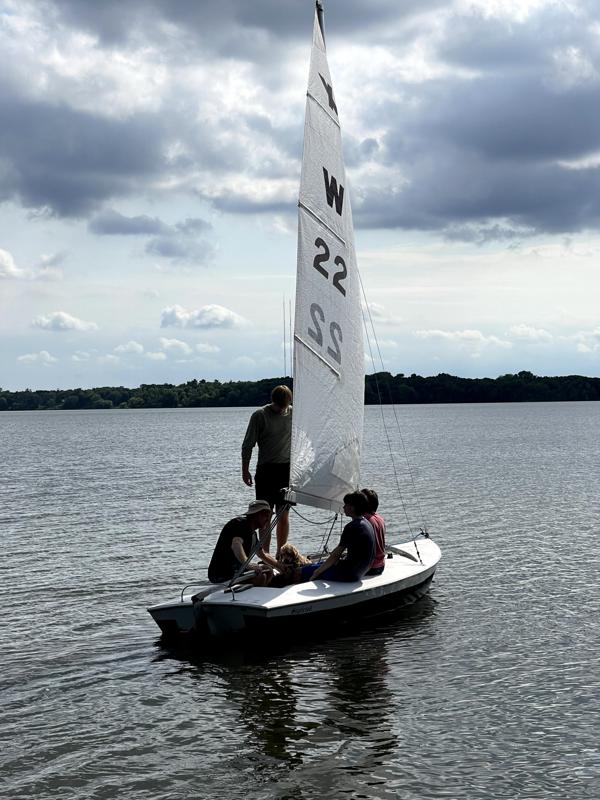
pixel 328 345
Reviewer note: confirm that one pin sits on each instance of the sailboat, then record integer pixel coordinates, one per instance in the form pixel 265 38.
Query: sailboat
pixel 328 403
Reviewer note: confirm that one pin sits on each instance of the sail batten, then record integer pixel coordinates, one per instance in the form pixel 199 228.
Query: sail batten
pixel 328 345
pixel 316 217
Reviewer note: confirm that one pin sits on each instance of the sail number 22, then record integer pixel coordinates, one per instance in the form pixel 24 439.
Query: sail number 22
pixel 316 312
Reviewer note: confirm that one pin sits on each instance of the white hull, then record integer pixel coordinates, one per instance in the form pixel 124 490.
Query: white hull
pixel 222 612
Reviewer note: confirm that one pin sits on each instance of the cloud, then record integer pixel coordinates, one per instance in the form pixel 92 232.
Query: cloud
pixel 207 317
pixel 481 121
pixel 70 161
pixel 176 346
pixel 109 359
pixel 380 316
pixel 182 249
pixel 80 355
pixel 158 356
pixel 206 349
pixel 466 337
pixel 8 268
pixel 61 321
pixel 46 271
pixel 587 341
pixel 179 242
pixel 111 223
pixel 43 357
pixel 130 347
pixel 527 333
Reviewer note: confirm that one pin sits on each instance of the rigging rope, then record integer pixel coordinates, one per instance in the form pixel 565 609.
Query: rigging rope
pixel 313 521
pixel 385 427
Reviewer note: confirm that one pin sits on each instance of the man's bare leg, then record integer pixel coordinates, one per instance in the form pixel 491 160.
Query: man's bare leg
pixel 283 529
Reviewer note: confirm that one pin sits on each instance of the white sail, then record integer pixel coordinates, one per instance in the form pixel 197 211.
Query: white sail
pixel 328 343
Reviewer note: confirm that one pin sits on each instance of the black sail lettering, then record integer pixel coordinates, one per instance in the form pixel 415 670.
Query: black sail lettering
pixel 334 192
pixel 329 90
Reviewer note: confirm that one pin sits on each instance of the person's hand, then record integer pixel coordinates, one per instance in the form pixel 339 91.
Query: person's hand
pixel 246 476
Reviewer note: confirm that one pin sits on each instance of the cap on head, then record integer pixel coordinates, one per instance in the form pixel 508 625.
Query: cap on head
pixel 258 505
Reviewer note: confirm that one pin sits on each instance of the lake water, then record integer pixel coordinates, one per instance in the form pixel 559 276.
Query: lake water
pixel 488 688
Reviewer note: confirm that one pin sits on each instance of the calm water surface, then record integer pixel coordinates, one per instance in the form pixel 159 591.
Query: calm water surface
pixel 487 689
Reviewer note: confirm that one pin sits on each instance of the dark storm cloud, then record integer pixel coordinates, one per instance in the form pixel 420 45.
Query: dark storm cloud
pixel 181 249
pixel 465 192
pixel 482 156
pixel 475 153
pixel 193 226
pixel 111 223
pixel 69 161
pixel 220 25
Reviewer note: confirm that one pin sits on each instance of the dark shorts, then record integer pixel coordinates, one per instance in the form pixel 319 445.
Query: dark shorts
pixel 269 480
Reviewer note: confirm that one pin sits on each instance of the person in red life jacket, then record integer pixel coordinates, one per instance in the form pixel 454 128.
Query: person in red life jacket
pixel 378 525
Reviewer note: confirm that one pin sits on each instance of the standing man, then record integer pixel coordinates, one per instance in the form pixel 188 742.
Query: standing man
pixel 270 428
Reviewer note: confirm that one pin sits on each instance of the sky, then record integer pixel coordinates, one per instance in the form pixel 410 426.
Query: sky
pixel 149 169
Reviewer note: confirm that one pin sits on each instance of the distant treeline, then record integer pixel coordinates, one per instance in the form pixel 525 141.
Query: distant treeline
pixel 379 387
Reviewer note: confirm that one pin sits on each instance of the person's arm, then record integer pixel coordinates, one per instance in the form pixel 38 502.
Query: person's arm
pixel 248 444
pixel 237 545
pixel 268 559
pixel 333 559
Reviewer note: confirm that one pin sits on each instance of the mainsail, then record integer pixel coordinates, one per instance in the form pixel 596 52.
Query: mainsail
pixel 328 344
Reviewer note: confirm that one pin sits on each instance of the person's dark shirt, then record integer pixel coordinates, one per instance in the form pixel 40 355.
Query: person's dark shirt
pixel 359 540
pixel 223 564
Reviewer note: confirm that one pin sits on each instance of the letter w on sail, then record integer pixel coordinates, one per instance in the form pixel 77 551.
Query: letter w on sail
pixel 334 192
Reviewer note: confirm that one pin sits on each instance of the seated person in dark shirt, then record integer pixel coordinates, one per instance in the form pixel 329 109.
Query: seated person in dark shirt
pixel 235 542
pixel 357 541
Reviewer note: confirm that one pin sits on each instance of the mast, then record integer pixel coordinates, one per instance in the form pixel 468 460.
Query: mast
pixel 320 17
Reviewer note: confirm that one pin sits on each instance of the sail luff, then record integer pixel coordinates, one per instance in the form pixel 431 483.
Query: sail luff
pixel 328 356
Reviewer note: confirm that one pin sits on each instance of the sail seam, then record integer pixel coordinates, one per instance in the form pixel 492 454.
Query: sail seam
pixel 318 355
pixel 321 221
pixel 322 107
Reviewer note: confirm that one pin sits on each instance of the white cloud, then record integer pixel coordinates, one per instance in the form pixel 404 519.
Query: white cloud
pixel 109 359
pixel 205 348
pixel 46 272
pixel 43 357
pixel 587 341
pixel 176 346
pixel 130 347
pixel 529 334
pixel 466 337
pixel 80 355
pixel 156 356
pixel 210 316
pixel 61 321
pixel 380 316
pixel 8 268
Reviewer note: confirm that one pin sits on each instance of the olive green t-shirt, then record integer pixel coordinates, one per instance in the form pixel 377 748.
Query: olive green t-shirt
pixel 272 432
